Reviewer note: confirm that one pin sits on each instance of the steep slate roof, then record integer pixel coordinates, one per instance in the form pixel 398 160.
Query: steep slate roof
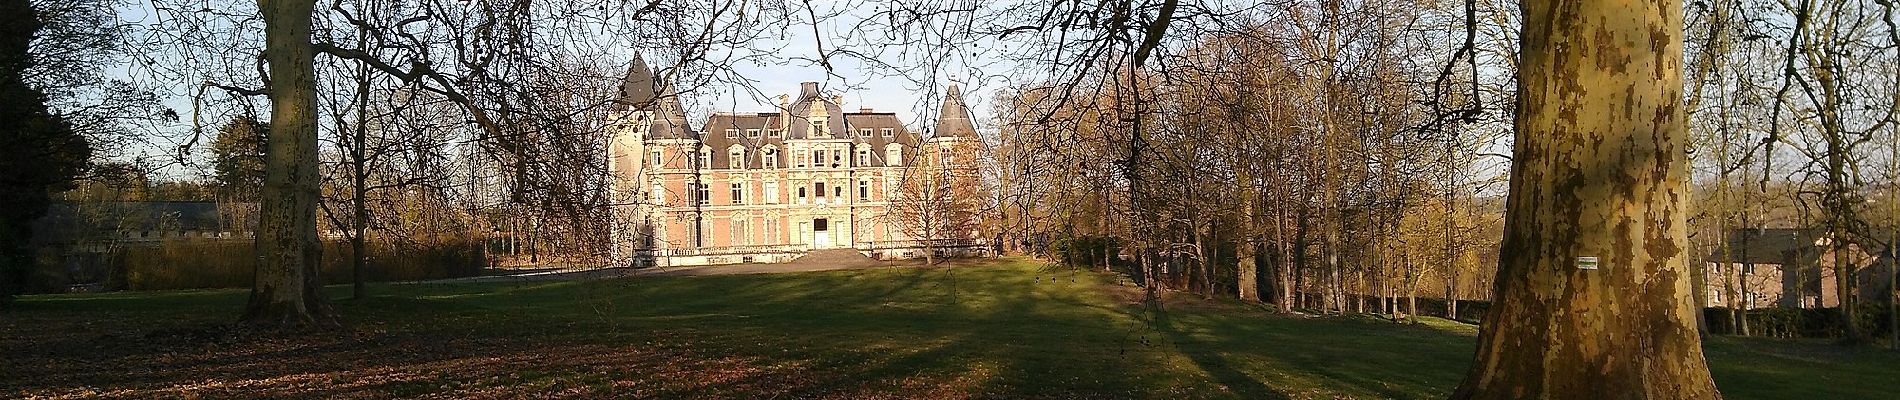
pixel 953 119
pixel 68 221
pixel 717 124
pixel 799 125
pixel 640 90
pixel 1768 246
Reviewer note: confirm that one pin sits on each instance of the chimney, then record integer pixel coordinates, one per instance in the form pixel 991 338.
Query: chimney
pixel 807 89
pixel 864 110
pixel 837 99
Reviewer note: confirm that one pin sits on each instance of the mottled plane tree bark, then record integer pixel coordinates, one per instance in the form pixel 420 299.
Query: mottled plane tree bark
pixel 1599 170
pixel 287 292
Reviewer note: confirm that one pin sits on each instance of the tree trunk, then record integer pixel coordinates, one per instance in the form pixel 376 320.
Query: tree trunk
pixel 1282 254
pixel 359 180
pixel 1731 282
pixel 1247 272
pixel 1844 281
pixel 1411 298
pixel 1451 291
pixel 1332 279
pixel 1148 277
pixel 287 292
pixel 1599 170
pixel 1202 262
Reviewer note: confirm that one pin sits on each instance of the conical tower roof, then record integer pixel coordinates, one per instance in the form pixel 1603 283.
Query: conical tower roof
pixel 953 119
pixel 640 90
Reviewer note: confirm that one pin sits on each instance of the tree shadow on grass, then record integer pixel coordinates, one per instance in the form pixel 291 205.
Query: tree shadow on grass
pixel 1214 365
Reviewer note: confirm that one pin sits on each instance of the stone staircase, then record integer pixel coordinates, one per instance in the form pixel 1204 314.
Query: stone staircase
pixel 835 258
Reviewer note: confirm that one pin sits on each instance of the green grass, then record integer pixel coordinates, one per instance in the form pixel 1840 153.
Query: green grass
pixel 1011 329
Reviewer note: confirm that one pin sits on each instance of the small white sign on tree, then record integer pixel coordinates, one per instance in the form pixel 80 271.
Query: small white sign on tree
pixel 1587 262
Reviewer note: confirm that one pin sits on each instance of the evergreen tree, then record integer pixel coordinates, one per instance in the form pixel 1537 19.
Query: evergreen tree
pixel 238 158
pixel 39 152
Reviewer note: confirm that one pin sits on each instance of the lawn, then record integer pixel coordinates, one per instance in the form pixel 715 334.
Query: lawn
pixel 992 329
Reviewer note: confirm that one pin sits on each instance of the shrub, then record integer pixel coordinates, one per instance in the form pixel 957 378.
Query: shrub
pixel 1800 322
pixel 199 264
pixel 1086 250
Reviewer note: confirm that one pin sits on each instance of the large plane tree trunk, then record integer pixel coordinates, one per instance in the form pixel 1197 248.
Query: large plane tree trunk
pixel 1599 170
pixel 287 293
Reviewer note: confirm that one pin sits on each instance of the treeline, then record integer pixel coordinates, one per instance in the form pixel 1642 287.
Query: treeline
pixel 1793 108
pixel 1312 160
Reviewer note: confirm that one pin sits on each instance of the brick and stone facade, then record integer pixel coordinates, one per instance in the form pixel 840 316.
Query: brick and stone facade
pixel 767 186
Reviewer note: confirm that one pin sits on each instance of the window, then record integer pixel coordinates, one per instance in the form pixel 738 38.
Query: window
pixel 819 187
pixel 738 231
pixel 887 132
pixel 864 157
pixel 773 133
pixel 699 233
pixel 659 194
pixel 864 190
pixel 771 193
pixel 837 157
pixel 893 155
pixel 801 194
pixel 837 192
pixel 864 132
pixel 818 128
pixel 738 193
pixel 818 158
pixel 703 194
pixel 771 231
pixel 768 158
pixel 658 160
pixel 732 133
pixel 735 157
pixel 705 158
pixel 752 133
pixel 798 158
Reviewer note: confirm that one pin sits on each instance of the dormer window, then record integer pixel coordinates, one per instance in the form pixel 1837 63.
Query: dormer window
pixel 752 133
pixel 864 132
pixel 773 133
pixel 732 133
pixel 768 158
pixel 818 129
pixel 864 157
pixel 887 132
pixel 735 157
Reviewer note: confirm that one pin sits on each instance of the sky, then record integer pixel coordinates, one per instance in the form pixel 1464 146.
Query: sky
pixel 786 67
